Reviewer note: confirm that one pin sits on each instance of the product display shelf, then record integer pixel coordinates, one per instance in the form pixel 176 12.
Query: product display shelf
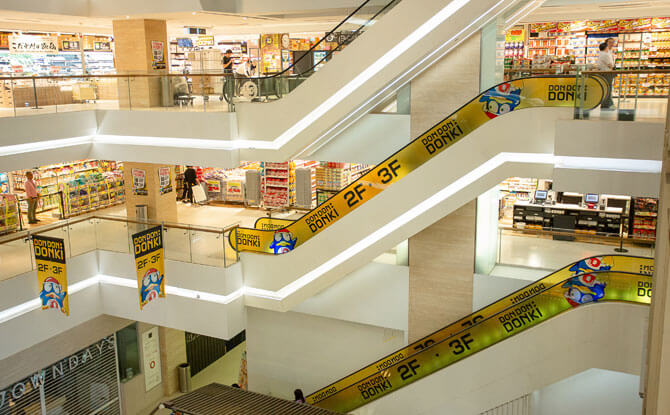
pixel 332 177
pixel 276 184
pixel 644 214
pixel 4 183
pixel 47 202
pixel 9 213
pixel 89 196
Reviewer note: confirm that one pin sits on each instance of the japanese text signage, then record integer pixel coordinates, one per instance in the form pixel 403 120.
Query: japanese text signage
pixel 157 54
pixel 152 359
pixel 51 273
pixel 165 179
pixel 33 44
pixel 139 182
pixel 148 248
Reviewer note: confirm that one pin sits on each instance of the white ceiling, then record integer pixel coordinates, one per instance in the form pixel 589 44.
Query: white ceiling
pixel 564 10
pixel 278 17
pixel 217 22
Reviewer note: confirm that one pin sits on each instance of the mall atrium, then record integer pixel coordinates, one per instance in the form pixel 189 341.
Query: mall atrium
pixel 371 207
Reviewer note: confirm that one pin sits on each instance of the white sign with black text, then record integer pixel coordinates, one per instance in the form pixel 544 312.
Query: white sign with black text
pixel 151 354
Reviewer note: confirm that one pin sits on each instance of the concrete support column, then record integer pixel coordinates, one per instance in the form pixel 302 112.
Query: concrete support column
pixel 133 54
pixel 657 382
pixel 161 204
pixel 442 256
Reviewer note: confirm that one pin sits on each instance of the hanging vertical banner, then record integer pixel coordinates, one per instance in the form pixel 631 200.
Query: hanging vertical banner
pixel 148 247
pixel 139 182
pixel 165 180
pixel 51 273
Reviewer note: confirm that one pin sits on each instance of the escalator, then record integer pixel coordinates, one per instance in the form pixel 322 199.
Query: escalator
pixel 409 38
pixel 502 99
pixel 274 86
pixel 594 280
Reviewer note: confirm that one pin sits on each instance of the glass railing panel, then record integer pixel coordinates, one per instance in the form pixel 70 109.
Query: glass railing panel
pixel 112 235
pixel 177 245
pixel 207 248
pixel 16 257
pixel 34 96
pixel 640 94
pixel 231 256
pixel 82 236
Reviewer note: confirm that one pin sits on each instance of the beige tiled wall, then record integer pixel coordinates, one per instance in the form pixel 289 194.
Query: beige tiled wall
pixel 441 257
pixel 173 353
pixel 132 55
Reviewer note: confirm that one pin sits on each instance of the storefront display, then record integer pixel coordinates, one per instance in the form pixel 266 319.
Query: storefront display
pixel 64 56
pixel 72 188
pixel 528 203
pixel 641 44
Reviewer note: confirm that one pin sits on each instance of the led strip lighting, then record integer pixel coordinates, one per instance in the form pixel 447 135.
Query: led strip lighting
pixel 628 165
pixel 45 145
pixel 36 304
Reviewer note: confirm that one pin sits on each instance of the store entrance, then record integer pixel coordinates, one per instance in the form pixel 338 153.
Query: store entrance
pixel 535 228
pixel 217 197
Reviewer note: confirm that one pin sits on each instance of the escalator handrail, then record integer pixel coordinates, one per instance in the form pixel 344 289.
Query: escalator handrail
pixel 486 319
pixel 474 314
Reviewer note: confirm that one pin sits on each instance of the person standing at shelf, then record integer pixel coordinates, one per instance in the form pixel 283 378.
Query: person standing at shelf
pixel 32 195
pixel 228 62
pixel 606 63
pixel 190 180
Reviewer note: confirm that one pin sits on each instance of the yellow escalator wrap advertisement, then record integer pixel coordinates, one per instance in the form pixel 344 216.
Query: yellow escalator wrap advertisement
pixel 619 263
pixel 588 288
pixel 271 224
pixel 51 273
pixel 149 262
pixel 499 100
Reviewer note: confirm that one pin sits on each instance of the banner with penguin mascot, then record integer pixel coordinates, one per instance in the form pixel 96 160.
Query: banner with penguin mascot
pixel 51 273
pixel 149 262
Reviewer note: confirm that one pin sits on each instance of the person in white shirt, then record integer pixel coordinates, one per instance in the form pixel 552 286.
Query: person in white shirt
pixel 606 63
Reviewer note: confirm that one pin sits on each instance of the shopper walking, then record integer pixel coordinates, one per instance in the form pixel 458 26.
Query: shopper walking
pixel 299 397
pixel 606 63
pixel 32 195
pixel 190 180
